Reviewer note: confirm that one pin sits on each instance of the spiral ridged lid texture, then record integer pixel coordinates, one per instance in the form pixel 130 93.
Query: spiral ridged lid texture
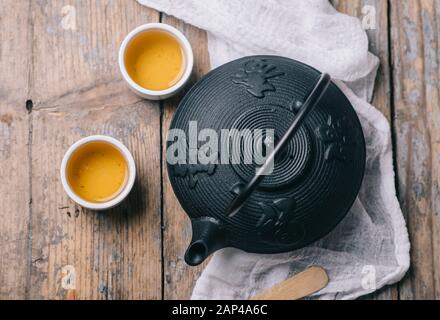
pixel 315 179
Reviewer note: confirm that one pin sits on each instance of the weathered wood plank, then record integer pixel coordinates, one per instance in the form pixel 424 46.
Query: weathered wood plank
pixel 415 52
pixel 379 45
pixel 116 254
pixel 14 160
pixel 77 92
pixel 179 278
pixel 76 48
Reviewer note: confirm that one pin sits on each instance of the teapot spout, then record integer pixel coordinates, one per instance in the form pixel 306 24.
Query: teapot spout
pixel 207 238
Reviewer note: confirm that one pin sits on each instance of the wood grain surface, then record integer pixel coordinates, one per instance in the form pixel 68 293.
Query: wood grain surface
pixel 59 81
pixel 14 151
pixel 415 53
pixel 116 254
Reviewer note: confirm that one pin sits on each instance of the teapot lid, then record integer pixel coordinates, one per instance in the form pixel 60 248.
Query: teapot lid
pixel 315 179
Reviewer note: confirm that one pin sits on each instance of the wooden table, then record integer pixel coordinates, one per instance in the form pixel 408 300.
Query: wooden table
pixel 59 81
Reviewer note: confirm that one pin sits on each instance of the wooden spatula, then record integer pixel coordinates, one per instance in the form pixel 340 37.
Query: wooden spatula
pixel 299 286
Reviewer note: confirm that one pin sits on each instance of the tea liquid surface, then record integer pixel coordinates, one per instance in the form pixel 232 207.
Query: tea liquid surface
pixel 155 60
pixel 97 172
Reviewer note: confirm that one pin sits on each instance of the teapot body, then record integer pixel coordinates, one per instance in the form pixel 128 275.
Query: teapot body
pixel 314 181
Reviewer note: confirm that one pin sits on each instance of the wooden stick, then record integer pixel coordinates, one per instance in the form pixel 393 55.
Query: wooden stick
pixel 299 286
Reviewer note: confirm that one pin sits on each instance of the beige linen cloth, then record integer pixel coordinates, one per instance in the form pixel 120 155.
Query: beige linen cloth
pixel 370 248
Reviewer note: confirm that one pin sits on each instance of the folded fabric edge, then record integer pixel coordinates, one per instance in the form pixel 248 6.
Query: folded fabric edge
pixel 372 61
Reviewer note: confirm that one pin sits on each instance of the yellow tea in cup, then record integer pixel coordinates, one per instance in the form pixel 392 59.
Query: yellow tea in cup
pixel 155 60
pixel 97 172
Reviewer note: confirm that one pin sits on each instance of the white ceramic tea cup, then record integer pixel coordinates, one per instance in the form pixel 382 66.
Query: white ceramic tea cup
pixel 128 185
pixel 188 57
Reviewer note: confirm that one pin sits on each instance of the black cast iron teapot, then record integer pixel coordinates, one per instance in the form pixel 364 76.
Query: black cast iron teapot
pixel 318 154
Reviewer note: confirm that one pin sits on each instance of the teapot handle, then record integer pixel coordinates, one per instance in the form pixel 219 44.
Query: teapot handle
pixel 312 100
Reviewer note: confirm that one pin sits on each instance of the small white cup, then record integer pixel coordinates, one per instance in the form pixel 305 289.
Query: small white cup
pixel 188 55
pixel 125 191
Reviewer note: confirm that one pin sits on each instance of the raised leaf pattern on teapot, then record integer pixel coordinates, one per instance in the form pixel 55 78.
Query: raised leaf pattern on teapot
pixel 278 221
pixel 337 142
pixel 192 170
pixel 255 75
